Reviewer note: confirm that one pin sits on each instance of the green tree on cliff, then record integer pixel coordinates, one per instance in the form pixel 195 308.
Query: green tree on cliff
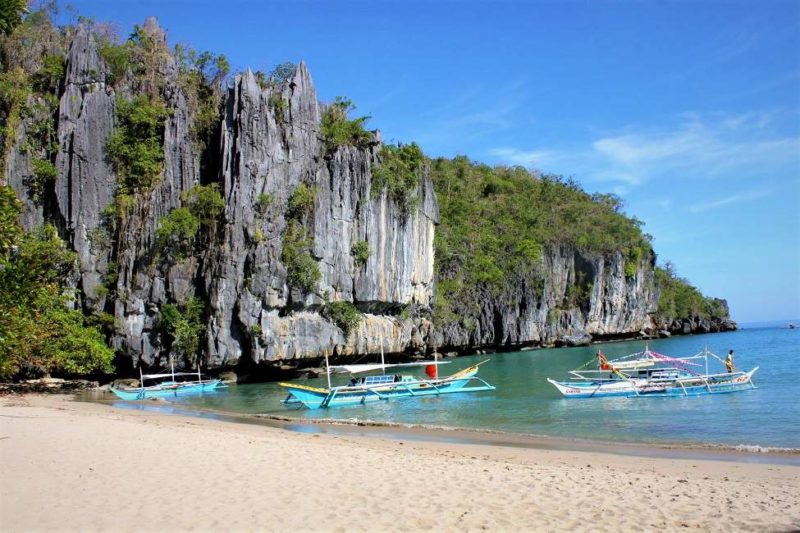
pixel 11 13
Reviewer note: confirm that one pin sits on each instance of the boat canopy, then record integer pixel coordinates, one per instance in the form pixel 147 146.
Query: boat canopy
pixel 360 369
pixel 169 375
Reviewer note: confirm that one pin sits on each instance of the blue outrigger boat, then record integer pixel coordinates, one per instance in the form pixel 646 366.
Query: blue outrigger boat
pixel 170 388
pixel 650 374
pixel 382 387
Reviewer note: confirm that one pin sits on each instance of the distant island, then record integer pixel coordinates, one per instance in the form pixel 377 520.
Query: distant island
pixel 152 204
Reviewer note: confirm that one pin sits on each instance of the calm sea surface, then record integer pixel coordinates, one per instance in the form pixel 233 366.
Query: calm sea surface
pixel 768 416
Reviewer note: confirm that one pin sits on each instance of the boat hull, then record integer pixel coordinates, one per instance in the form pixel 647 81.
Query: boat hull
pixel 168 390
pixel 315 398
pixel 643 388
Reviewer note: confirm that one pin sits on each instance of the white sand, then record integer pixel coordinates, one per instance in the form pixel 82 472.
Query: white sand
pixel 78 466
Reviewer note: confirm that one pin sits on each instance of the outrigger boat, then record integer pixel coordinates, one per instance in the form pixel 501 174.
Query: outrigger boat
pixel 651 374
pixel 171 387
pixel 369 389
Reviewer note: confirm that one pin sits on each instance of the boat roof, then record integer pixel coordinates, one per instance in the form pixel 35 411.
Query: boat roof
pixel 168 375
pixel 361 368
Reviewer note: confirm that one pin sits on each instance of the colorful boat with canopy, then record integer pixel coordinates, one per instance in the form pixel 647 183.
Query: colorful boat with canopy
pixel 383 386
pixel 652 374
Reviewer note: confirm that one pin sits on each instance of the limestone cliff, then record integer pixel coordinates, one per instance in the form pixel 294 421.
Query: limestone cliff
pixel 269 142
pixel 572 298
pixel 252 310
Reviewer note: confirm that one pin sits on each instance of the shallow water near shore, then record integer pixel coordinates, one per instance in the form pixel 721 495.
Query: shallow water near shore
pixel 763 418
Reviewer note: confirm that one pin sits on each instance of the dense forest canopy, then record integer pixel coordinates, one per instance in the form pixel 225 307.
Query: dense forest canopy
pixel 496 223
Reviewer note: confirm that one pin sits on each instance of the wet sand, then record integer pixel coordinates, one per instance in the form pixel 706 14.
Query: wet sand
pixel 70 465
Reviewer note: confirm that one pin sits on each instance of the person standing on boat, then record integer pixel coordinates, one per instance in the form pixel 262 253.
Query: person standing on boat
pixel 729 361
pixel 601 358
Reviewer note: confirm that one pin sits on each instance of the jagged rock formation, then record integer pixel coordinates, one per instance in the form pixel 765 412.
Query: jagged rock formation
pixel 246 280
pixel 252 315
pixel 573 299
pixel 251 311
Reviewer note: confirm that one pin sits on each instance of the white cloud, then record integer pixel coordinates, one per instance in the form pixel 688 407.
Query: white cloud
pixel 699 147
pixel 743 197
pixel 532 159
pixel 665 203
pixel 475 113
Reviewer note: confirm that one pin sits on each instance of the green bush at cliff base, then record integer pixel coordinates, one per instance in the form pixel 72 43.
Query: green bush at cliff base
pixel 183 327
pixel 10 231
pixel 339 130
pixel 135 149
pixel 302 271
pixel 40 332
pixel 344 314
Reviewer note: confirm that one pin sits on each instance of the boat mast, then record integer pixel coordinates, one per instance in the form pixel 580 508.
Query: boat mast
pixel 172 366
pixel 141 377
pixel 383 363
pixel 327 367
pixel 199 379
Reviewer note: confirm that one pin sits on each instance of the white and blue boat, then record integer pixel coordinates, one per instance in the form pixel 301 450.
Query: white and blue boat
pixel 382 387
pixel 172 385
pixel 650 374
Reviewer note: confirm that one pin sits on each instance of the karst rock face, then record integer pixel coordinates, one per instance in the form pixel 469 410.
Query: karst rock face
pixel 268 154
pixel 268 143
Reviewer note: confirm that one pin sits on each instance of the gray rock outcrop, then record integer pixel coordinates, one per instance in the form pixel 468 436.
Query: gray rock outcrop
pixel 268 153
pixel 570 299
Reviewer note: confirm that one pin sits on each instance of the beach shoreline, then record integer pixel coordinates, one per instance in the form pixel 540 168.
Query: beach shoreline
pixel 356 427
pixel 75 465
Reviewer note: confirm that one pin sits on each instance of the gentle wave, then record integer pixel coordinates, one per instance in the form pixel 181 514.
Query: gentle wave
pixel 753 448
pixel 359 422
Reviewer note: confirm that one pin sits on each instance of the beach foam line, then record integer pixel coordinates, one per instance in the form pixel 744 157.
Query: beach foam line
pixel 466 435
pixel 434 432
pixel 754 448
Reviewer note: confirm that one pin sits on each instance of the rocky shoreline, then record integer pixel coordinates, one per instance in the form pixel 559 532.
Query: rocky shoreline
pixel 47 386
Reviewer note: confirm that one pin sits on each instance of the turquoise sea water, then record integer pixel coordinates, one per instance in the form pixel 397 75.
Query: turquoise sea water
pixel 767 417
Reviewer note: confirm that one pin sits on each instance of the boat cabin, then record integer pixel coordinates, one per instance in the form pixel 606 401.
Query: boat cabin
pixel 385 379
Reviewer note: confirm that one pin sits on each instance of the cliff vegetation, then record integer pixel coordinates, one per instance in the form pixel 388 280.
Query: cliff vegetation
pixel 40 331
pixel 156 205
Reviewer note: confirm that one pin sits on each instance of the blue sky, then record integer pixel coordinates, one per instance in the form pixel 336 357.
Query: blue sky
pixel 688 110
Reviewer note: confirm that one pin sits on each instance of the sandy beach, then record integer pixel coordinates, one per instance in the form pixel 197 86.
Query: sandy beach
pixel 78 466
